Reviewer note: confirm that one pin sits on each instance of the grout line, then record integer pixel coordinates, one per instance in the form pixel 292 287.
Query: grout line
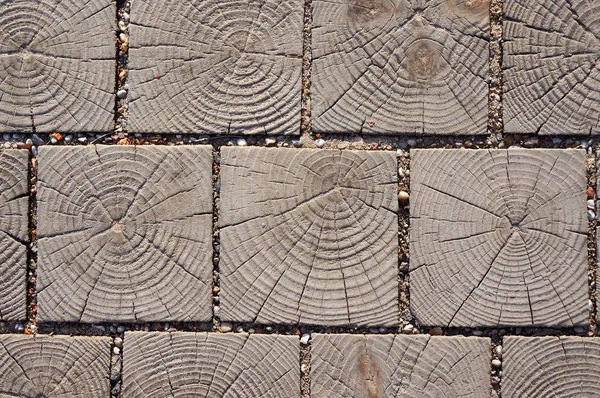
pixel 496 366
pixel 305 113
pixel 592 260
pixel 116 365
pixel 121 70
pixel 406 323
pixel 305 359
pixel 31 270
pixel 495 104
pixel 216 243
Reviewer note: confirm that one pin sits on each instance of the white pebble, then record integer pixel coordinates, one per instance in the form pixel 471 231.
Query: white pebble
pixel 270 141
pixel 591 215
pixel 118 342
pixel 304 339
pixel 241 142
pixel 121 94
pixel 499 351
pixel 116 350
pixel 591 205
pixel 303 368
pixel 83 140
pixel 226 327
pixel 408 328
pixel 53 140
pixel 401 173
pixel 319 142
pixel 496 363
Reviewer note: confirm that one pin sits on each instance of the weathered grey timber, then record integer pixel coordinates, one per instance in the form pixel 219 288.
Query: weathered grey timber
pixel 365 366
pixel 309 236
pixel 210 365
pixel 57 366
pixel 498 238
pixel 57 65
pixel 402 66
pixel 14 234
pixel 125 233
pixel 537 367
pixel 216 67
pixel 551 67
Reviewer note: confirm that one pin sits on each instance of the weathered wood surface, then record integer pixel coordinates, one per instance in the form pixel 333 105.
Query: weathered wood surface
pixel 539 367
pixel 57 366
pixel 552 67
pixel 210 365
pixel 14 233
pixel 498 238
pixel 363 366
pixel 216 67
pixel 57 65
pixel 309 236
pixel 125 233
pixel 402 66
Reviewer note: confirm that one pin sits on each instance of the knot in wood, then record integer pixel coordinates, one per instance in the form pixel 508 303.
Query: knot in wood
pixel 369 12
pixel 424 60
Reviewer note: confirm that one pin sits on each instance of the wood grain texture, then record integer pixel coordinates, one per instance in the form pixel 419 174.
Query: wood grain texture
pixel 183 364
pixel 309 236
pixel 366 366
pixel 125 234
pixel 14 233
pixel 536 367
pixel 216 67
pixel 552 66
pixel 498 238
pixel 401 66
pixel 57 366
pixel 57 65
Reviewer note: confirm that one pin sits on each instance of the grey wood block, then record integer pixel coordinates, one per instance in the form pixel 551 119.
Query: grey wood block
pixel 54 366
pixel 362 366
pixel 57 65
pixel 551 73
pixel 540 367
pixel 14 233
pixel 309 236
pixel 184 364
pixel 125 234
pixel 401 66
pixel 216 67
pixel 498 238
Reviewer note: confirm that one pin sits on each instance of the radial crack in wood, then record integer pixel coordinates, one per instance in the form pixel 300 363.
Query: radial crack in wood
pixel 309 236
pixel 398 67
pixel 57 366
pixel 498 238
pixel 216 67
pixel 14 233
pixel 125 234
pixel 57 65
pixel 537 367
pixel 363 366
pixel 183 364
pixel 552 67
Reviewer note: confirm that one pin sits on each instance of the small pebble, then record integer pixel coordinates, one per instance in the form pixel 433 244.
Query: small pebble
pixel 498 351
pixel 437 331
pixel 241 142
pixel 403 196
pixel 53 140
pixel 239 329
pixel 122 26
pixel 19 326
pixel 6 137
pixel 496 363
pixel 297 143
pixel 591 215
pixel 125 17
pixel 269 328
pixel 591 205
pixel 121 94
pixel 411 142
pixel 118 342
pixel 216 310
pixel 34 151
pixel 226 327
pixel 68 138
pixel 82 140
pixel 319 142
pixel 121 329
pixel 477 333
pixel 270 141
pixel 585 144
pixel 116 350
pixel 250 331
pixel 166 326
pixel 29 142
pixel 382 330
pixel 401 173
pixel 304 339
pixel 303 368
pixel 408 328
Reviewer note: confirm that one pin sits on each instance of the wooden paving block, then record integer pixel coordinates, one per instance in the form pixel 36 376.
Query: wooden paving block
pixel 309 236
pixel 551 67
pixel 400 67
pixel 364 366
pixel 216 67
pixel 14 233
pixel 498 238
pixel 54 366
pixel 539 367
pixel 57 65
pixel 125 234
pixel 184 364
